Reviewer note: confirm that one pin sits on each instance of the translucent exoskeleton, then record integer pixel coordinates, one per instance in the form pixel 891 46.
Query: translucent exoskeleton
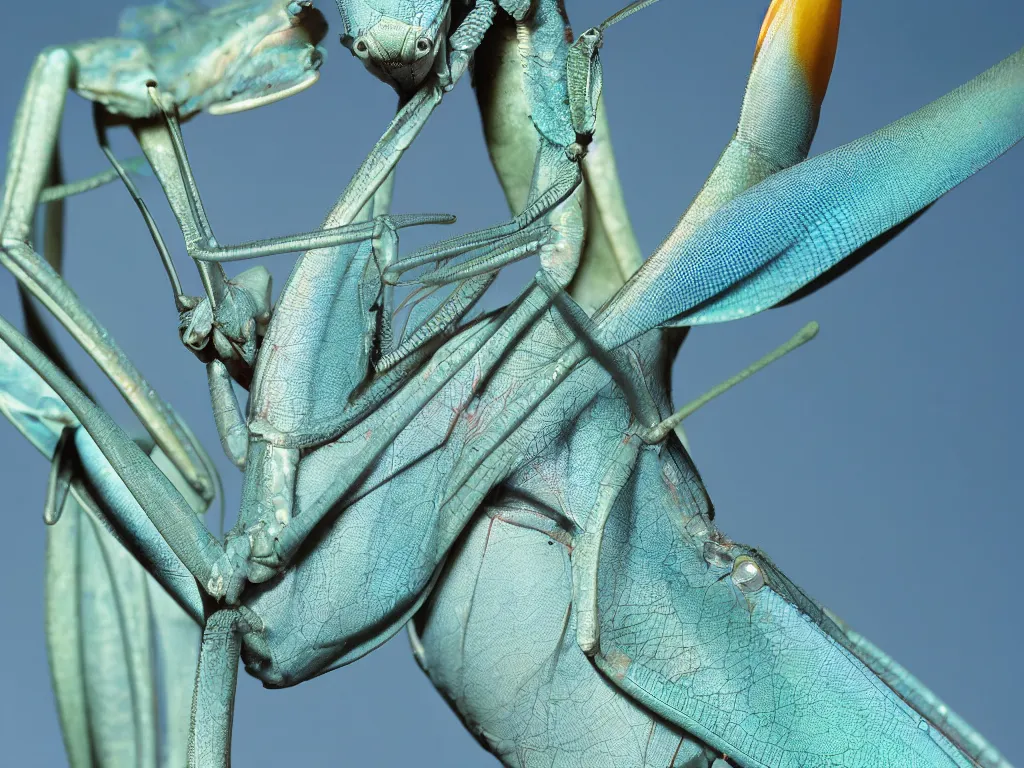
pixel 467 636
pixel 122 652
pixel 613 575
pixel 173 61
pixel 351 510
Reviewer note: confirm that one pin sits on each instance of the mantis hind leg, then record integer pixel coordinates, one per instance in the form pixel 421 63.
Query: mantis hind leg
pixel 34 168
pixel 156 415
pixel 213 701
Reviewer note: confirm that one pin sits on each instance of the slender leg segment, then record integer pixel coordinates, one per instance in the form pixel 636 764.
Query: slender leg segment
pixel 213 703
pixel 661 431
pixel 158 418
pixel 172 516
pixel 32 148
pixel 204 246
pixel 213 278
pixel 231 426
pixel 63 190
pixel 34 141
pixel 551 226
pixel 509 236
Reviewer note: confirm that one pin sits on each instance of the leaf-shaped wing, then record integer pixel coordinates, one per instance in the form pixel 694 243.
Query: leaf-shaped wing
pixel 498 640
pixel 789 229
pixel 711 636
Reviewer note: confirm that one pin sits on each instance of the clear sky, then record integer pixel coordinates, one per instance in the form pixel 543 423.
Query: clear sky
pixel 877 466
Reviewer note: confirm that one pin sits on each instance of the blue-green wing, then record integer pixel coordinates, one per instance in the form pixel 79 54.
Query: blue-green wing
pixel 31 406
pixel 779 116
pixel 117 648
pixel 758 671
pixel 64 633
pixel 789 229
pixel 498 640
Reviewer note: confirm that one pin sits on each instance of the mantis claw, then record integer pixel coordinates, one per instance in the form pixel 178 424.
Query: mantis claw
pixel 403 220
pixel 58 484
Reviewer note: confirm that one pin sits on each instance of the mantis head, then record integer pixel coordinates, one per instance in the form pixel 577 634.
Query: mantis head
pixel 399 41
pixel 239 56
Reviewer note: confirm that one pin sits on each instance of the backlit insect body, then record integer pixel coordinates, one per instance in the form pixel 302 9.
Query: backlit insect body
pixel 485 408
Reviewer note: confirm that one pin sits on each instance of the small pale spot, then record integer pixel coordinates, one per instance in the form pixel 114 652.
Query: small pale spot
pixel 747 576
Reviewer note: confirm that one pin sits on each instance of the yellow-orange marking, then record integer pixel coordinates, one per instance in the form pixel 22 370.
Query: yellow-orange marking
pixel 813 31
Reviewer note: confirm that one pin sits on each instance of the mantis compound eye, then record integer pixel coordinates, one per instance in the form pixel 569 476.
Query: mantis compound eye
pixel 747 575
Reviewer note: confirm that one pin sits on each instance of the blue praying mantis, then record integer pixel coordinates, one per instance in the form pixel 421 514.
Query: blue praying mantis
pixel 539 394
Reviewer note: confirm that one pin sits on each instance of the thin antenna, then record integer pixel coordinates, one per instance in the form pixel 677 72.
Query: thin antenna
pixel 629 10
pixel 660 432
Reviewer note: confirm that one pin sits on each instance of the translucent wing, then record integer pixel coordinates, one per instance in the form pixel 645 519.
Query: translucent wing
pixel 711 636
pixel 546 704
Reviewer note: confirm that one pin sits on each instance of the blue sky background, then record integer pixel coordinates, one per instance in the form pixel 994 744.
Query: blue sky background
pixel 877 466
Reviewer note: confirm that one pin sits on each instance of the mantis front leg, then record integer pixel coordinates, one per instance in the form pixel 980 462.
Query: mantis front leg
pixel 200 241
pixel 556 89
pixel 224 325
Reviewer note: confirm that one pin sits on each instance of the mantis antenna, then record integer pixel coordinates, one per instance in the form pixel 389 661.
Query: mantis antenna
pixel 805 334
pixel 629 10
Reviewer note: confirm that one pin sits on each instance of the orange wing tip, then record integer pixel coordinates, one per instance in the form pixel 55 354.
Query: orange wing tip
pixel 812 28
